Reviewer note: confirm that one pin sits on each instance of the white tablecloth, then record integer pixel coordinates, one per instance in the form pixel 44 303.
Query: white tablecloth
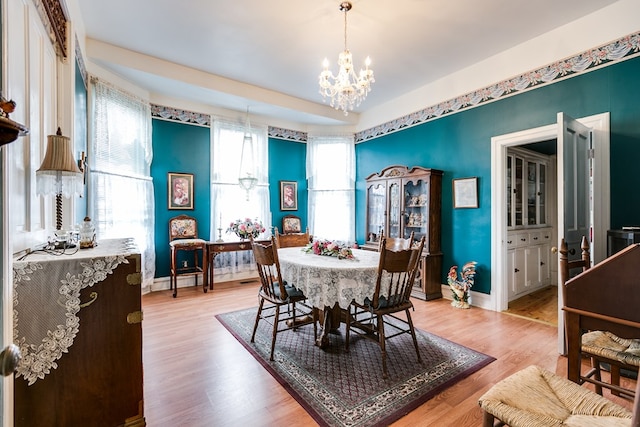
pixel 327 280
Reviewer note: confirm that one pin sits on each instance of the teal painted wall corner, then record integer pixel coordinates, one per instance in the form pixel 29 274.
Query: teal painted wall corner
pixel 287 162
pixel 181 148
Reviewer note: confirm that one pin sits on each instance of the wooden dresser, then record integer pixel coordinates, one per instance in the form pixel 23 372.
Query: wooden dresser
pixel 87 369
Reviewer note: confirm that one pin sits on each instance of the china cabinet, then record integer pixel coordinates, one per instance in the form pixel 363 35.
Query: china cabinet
pixel 401 200
pixel 529 235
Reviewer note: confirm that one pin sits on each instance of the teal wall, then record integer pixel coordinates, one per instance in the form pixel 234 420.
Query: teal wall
pixel 287 162
pixel 181 148
pixel 460 145
pixel 184 148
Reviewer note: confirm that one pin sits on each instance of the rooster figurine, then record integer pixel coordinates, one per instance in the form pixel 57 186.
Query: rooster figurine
pixel 461 288
pixel 6 107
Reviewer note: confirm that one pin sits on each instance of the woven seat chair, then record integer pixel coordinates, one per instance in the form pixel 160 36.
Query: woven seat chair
pixel 618 353
pixel 601 347
pixel 535 397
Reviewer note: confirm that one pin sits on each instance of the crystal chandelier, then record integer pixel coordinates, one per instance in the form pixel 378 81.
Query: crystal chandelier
pixel 247 178
pixel 346 90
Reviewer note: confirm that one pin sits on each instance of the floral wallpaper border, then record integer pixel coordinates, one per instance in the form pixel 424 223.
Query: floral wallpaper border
pixel 623 48
pixel 290 135
pixel 175 114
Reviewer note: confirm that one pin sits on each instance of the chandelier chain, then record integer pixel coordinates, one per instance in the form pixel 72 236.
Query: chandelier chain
pixel 347 89
pixel 345 27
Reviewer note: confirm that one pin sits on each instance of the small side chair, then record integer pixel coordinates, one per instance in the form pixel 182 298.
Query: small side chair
pixel 183 236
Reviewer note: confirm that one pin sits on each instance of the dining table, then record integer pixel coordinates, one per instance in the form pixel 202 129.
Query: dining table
pixel 329 283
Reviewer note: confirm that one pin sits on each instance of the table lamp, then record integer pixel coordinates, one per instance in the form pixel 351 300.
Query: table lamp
pixel 59 173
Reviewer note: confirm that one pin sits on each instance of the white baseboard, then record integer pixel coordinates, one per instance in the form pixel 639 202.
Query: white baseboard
pixel 164 283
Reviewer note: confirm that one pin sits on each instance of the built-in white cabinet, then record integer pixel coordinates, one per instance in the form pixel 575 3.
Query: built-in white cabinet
pixel 528 258
pixel 528 224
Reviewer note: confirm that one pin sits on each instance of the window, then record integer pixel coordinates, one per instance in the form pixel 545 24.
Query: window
pixel 230 202
pixel 120 193
pixel 331 180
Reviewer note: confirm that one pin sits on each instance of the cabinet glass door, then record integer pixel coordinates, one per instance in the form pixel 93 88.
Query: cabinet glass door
pixel 542 194
pixel 509 191
pixel 394 209
pixel 517 192
pixel 532 190
pixel 416 201
pixel 376 208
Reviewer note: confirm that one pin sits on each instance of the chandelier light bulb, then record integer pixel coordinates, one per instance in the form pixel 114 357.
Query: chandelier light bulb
pixel 348 89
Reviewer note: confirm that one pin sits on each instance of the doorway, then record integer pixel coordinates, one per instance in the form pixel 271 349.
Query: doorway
pixel 600 180
pixel 532 213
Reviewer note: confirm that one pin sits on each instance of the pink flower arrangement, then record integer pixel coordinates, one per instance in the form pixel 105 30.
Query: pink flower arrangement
pixel 245 228
pixel 329 248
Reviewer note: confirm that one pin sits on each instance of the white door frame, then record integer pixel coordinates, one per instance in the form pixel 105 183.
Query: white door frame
pixel 599 124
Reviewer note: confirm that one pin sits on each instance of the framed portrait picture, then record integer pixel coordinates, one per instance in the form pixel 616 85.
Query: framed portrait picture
pixel 180 190
pixel 288 196
pixel 465 192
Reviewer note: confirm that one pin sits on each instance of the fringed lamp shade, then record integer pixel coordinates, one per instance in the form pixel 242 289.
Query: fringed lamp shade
pixel 59 173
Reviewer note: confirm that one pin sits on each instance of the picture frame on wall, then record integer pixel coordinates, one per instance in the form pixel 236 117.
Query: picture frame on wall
pixel 180 190
pixel 465 193
pixel 288 196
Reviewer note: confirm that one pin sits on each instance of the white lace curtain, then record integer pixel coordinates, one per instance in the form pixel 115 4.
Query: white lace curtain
pixel 331 180
pixel 229 201
pixel 120 189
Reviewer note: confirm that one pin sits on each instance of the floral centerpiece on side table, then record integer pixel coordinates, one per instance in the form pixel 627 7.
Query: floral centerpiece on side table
pixel 244 228
pixel 329 248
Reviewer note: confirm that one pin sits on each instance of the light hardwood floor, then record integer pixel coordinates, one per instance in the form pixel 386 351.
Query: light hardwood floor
pixel 197 374
pixel 541 305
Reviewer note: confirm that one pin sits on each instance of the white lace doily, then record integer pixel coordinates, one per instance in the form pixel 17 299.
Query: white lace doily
pixel 46 301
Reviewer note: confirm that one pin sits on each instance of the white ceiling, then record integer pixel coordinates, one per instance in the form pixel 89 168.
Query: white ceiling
pixel 267 54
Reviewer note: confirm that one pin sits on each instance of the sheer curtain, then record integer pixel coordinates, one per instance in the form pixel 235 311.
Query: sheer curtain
pixel 331 180
pixel 229 201
pixel 120 192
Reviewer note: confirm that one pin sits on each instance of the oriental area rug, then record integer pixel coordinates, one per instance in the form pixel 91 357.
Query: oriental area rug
pixel 339 388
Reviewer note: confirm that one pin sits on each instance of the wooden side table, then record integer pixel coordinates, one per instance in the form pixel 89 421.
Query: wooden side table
pixel 215 248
